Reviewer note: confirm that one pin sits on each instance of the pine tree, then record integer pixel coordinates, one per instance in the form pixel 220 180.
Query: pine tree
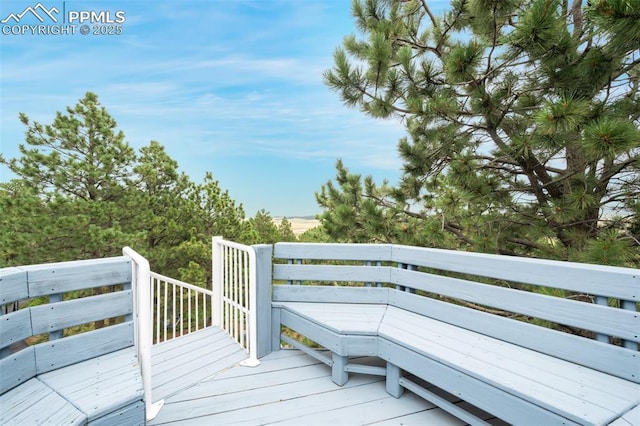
pixel 77 168
pixel 522 120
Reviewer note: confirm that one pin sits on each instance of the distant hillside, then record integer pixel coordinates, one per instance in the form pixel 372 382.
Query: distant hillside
pixel 299 225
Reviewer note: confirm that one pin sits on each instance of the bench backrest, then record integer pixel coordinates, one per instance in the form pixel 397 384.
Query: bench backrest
pixel 48 314
pixel 583 313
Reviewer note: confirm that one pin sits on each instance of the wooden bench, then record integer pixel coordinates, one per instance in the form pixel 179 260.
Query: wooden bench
pixel 529 341
pixel 88 378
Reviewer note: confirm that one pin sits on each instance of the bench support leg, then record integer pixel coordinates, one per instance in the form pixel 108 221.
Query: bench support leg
pixel 393 380
pixel 338 373
pixel 276 329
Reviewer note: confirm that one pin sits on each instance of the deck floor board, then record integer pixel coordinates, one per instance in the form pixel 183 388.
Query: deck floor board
pixel 289 387
pixel 183 362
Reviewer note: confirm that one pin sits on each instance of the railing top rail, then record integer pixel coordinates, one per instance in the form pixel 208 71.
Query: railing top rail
pixel 234 245
pixel 181 283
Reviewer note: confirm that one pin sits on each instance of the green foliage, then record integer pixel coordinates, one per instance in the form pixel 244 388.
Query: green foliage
pixel 523 122
pixel 83 192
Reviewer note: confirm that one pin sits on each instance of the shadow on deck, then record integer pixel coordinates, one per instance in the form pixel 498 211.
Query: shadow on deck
pixel 288 387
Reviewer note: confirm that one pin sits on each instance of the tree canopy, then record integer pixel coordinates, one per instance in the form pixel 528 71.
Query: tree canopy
pixel 522 121
pixel 83 192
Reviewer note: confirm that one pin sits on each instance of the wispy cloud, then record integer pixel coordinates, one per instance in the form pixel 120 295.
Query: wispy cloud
pixel 233 87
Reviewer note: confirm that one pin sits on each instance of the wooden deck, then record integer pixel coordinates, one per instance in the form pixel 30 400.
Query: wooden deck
pixel 185 361
pixel 289 387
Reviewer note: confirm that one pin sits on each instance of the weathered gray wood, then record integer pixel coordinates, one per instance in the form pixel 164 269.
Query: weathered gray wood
pixel 339 375
pixel 276 329
pixel 62 277
pixel 80 347
pixel 603 357
pixel 342 318
pixel 101 385
pixel 542 380
pixel 34 403
pixel 393 380
pixel 614 322
pixel 616 282
pixel 291 388
pixel 341 273
pixel 330 294
pixel 352 367
pixel 180 363
pixel 441 402
pixel 630 418
pixel 310 329
pixel 341 344
pixel 320 355
pixel 17 368
pixel 15 327
pixel 57 316
pixel 132 414
pixel 479 393
pixel 332 251
pixel 13 285
pixel 591 279
pixel 263 296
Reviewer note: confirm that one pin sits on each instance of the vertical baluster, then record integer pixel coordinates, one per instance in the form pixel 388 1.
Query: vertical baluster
pixel 299 262
pixel 181 309
pixel 204 311
pixel 236 295
pixel 197 313
pixel 225 290
pixel 401 266
pixel 289 262
pixel 164 319
pixel 230 293
pixel 173 310
pixel 189 310
pixel 630 306
pixel 56 334
pixel 410 289
pixel 156 312
pixel 604 301
pixel 246 313
pixel 367 284
pixel 378 263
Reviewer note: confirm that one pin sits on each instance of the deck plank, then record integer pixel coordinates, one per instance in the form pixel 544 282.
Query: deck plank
pixel 289 387
pixel 183 362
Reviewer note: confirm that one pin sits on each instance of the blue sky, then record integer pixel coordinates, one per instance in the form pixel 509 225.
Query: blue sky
pixel 230 87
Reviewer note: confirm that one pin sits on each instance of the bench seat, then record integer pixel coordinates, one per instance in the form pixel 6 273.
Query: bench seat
pixel 107 384
pixel 34 403
pixel 468 364
pixel 346 318
pixel 562 388
pixel 93 377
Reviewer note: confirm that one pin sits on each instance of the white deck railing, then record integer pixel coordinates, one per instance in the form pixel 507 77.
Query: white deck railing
pixel 178 308
pixel 143 335
pixel 234 290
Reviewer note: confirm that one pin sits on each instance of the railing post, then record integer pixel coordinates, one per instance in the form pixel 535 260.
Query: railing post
pixel 141 283
pixel 217 274
pixel 263 298
pixel 252 361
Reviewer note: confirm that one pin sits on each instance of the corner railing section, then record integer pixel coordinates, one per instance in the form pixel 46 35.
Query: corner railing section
pixel 179 308
pixel 234 294
pixel 142 316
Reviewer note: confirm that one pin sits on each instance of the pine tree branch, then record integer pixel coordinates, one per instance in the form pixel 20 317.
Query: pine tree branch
pixel 426 9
